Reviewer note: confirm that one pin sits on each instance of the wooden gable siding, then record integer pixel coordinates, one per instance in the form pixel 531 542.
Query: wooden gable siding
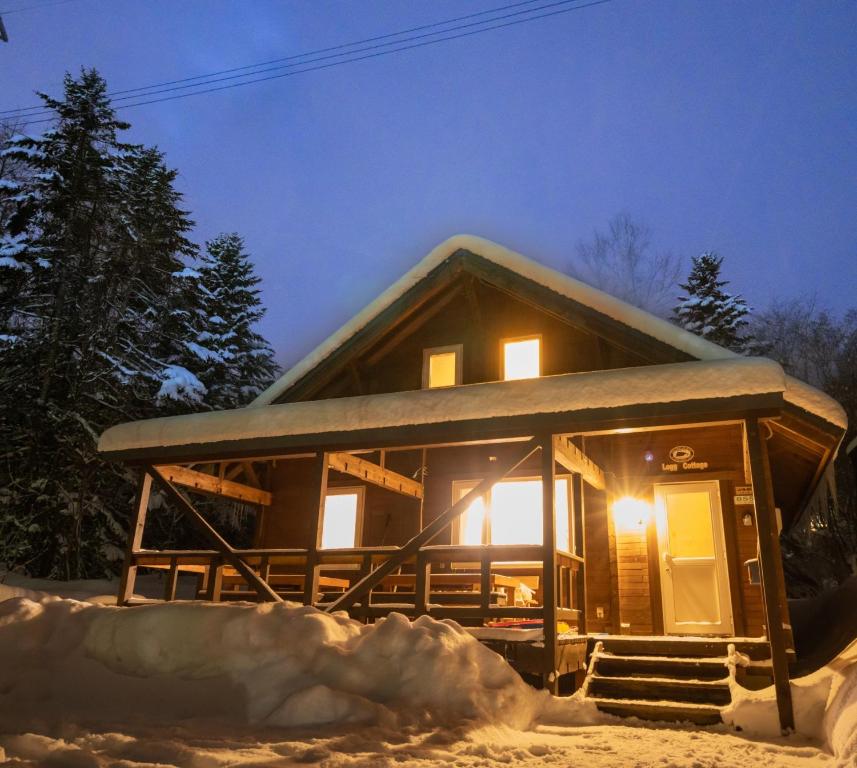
pixel 479 324
pixel 473 301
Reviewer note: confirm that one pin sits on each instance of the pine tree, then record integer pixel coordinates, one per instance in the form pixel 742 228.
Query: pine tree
pixel 93 332
pixel 708 310
pixel 238 362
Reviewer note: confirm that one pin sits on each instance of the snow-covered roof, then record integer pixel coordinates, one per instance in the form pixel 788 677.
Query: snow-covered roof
pixel 565 393
pixel 567 286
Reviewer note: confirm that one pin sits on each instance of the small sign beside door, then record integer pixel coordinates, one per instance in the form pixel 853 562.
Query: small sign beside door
pixel 744 494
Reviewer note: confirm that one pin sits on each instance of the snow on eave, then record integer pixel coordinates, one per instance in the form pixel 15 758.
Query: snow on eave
pixel 564 393
pixel 815 401
pixel 567 286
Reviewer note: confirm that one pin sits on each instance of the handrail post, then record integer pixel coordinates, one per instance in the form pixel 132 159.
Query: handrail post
pixel 422 586
pixel 551 678
pixel 135 540
pixel 215 580
pixel 172 580
pixel 485 579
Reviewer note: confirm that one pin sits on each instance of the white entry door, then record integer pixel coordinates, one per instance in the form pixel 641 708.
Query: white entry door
pixel 694 576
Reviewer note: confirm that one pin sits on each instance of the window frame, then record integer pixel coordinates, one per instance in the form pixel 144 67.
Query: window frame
pixel 345 490
pixel 486 525
pixel 457 349
pixel 527 337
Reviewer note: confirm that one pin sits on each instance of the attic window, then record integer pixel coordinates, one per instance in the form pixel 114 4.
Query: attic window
pixel 521 358
pixel 442 366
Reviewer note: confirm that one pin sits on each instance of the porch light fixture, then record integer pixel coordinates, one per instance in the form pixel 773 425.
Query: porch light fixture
pixel 630 514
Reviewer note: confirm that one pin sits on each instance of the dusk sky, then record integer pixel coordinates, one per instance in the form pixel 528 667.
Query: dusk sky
pixel 729 126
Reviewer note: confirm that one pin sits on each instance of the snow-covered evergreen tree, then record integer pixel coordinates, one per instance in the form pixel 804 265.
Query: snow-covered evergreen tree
pixel 708 310
pixel 238 362
pixel 94 244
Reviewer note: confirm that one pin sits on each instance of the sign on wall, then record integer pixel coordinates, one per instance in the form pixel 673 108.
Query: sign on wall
pixel 682 459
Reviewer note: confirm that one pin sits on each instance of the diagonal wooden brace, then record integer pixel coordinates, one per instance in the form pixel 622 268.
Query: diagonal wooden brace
pixel 365 585
pixel 262 588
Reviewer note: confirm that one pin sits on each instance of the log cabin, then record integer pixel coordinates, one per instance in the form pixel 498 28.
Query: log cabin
pixel 594 492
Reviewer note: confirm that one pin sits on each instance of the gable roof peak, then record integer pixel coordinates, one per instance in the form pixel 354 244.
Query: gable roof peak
pixel 560 283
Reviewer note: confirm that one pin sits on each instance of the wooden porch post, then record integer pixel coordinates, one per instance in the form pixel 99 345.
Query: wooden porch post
pixel 615 602
pixel 577 513
pixel 769 551
pixel 320 473
pixel 135 540
pixel 551 678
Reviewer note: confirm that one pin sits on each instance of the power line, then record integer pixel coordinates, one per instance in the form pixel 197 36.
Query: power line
pixel 34 7
pixel 209 78
pixel 353 59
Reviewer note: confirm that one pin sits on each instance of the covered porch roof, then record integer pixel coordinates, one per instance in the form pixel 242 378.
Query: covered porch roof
pixel 629 396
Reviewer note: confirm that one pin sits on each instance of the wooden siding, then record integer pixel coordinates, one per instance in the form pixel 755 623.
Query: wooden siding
pixel 478 317
pixel 622 566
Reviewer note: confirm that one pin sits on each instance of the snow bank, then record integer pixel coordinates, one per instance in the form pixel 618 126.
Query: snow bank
pixel 269 664
pixel 825 707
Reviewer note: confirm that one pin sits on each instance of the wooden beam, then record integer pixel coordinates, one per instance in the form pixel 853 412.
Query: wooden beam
pixel 372 473
pixel 213 486
pixel 549 581
pixel 319 487
pixel 419 319
pixel 135 540
pixel 365 585
pixel 577 462
pixel 578 526
pixel 228 553
pixel 769 552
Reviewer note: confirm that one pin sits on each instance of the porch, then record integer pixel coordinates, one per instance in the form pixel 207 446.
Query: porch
pixel 426 460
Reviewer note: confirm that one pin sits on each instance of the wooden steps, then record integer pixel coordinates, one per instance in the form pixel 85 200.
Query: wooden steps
pixel 683 691
pixel 667 679
pixel 661 711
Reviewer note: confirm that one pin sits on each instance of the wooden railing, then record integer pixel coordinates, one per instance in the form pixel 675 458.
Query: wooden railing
pixel 466 583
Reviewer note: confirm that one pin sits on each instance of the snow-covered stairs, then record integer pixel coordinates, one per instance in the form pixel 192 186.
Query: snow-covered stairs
pixel 663 678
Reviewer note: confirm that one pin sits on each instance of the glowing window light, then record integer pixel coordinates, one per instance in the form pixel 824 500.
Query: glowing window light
pixel 521 359
pixel 442 369
pixel 630 514
pixel 339 523
pixel 514 514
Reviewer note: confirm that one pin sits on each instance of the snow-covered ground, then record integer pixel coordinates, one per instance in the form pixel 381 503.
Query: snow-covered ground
pixel 191 684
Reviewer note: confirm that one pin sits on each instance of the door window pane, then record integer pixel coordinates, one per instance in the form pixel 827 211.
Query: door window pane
pixel 689 524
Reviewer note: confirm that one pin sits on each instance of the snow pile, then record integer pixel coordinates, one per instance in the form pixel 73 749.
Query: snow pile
pixel 269 664
pixel 824 703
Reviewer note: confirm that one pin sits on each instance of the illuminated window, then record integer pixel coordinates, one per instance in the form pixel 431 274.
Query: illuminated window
pixel 342 519
pixel 511 513
pixel 521 358
pixel 442 366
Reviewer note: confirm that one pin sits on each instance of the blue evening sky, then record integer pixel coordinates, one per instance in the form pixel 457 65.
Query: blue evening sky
pixel 723 125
